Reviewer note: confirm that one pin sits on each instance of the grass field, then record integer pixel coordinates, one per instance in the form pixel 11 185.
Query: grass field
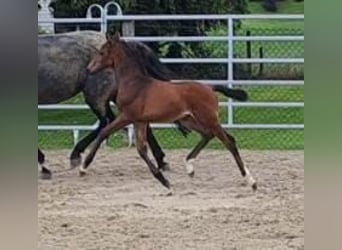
pixel 249 139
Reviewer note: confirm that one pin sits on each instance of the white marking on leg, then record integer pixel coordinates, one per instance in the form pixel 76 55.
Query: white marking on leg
pixel 83 170
pixel 40 168
pixel 250 180
pixel 189 166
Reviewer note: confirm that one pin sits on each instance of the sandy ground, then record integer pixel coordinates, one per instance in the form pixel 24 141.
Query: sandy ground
pixel 119 205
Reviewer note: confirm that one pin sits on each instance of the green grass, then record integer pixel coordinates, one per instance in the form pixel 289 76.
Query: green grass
pixel 246 139
pixel 284 7
pixel 171 138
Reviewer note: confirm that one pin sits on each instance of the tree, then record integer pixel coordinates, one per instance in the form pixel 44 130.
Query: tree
pixel 72 8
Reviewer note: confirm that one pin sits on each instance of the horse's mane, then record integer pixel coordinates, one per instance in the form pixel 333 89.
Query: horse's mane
pixel 148 61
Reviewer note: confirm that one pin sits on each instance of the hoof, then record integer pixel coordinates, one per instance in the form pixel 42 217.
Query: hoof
pixel 162 180
pixel 251 181
pixel 45 175
pixel 170 192
pixel 166 184
pixel 82 172
pixel 192 174
pixel 75 162
pixel 165 166
pixel 190 167
pixel 255 187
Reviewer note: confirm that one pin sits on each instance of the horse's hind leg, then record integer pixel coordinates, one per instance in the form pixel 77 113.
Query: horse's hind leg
pixel 141 132
pixel 156 150
pixel 109 113
pixel 45 173
pixel 194 153
pixel 230 144
pixel 191 123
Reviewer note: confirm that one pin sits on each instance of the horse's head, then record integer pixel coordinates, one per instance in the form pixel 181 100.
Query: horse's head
pixel 108 54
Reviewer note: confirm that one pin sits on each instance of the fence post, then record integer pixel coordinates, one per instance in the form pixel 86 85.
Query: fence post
pixel 76 135
pixel 230 67
pixel 261 65
pixel 130 135
pixel 249 53
pixel 128 30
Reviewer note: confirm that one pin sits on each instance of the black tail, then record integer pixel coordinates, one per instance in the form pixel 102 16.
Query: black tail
pixel 237 94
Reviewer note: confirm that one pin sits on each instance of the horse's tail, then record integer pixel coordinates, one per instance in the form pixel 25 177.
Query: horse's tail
pixel 237 94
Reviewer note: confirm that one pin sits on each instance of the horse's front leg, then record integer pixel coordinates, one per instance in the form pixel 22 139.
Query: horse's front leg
pixel 141 132
pixel 104 119
pixel 75 157
pixel 120 122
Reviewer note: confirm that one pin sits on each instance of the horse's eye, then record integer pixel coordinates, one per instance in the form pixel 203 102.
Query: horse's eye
pixel 101 53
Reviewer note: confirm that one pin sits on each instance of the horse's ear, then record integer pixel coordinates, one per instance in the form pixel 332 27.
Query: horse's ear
pixel 108 36
pixel 116 37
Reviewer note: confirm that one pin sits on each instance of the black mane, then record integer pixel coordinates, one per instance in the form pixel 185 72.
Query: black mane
pixel 148 61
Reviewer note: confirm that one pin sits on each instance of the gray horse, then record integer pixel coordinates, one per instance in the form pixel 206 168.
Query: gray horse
pixel 62 74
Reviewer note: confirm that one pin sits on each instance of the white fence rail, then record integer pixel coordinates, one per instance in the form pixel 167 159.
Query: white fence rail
pixel 229 60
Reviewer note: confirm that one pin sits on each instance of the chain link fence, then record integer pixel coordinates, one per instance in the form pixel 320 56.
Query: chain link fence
pixel 246 138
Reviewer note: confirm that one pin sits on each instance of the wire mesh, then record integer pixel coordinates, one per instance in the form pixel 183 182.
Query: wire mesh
pixel 246 138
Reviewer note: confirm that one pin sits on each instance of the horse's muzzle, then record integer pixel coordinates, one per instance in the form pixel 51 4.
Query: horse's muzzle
pixel 91 70
pixel 92 67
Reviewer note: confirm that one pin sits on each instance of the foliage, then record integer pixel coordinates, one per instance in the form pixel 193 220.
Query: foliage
pixel 72 8
pixel 274 5
pixel 270 5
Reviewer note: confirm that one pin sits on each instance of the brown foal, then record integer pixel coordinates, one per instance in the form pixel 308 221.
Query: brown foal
pixel 142 99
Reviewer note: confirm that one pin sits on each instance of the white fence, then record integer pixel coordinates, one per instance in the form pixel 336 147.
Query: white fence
pixel 229 60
